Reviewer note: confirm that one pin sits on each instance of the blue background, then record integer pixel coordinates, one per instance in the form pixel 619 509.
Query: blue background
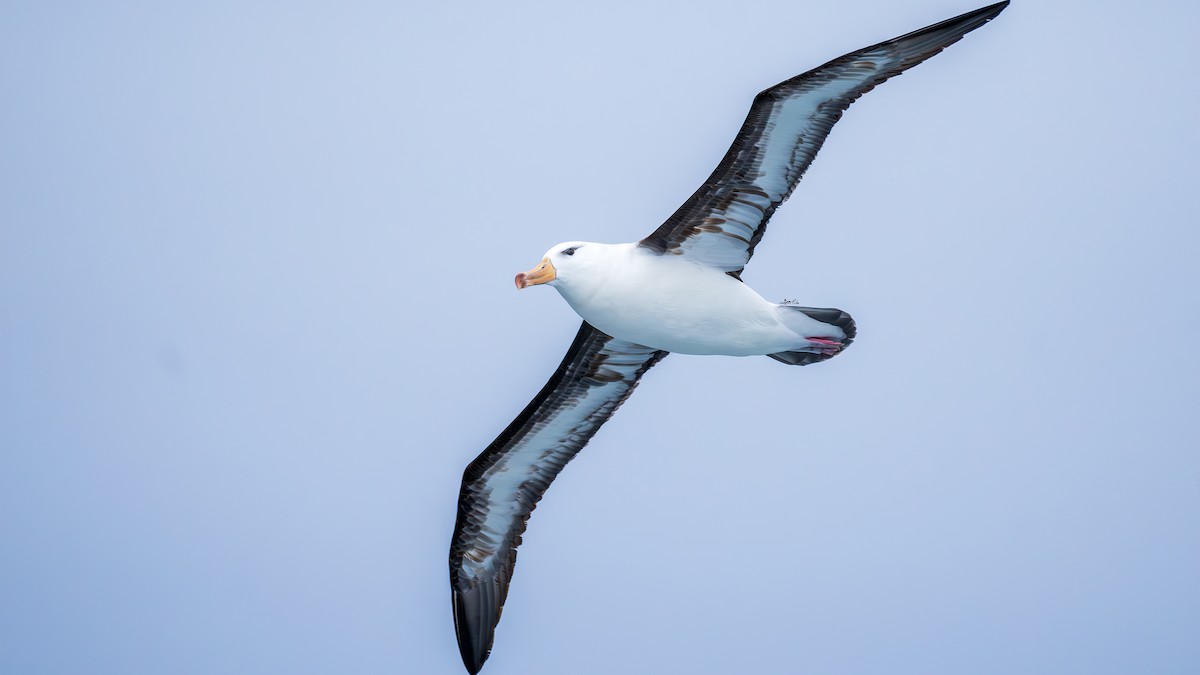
pixel 257 315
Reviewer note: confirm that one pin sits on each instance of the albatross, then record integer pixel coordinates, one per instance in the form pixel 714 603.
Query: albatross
pixel 678 290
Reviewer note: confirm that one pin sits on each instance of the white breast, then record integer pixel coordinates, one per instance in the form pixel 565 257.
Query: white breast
pixel 665 302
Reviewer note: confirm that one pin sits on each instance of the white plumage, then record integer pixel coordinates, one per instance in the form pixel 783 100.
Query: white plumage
pixel 670 303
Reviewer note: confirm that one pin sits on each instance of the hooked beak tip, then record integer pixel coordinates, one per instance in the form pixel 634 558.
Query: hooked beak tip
pixel 542 274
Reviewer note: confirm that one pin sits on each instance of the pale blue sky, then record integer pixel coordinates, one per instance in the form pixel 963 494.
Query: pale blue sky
pixel 257 314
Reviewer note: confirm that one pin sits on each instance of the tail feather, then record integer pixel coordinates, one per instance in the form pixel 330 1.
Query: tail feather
pixel 826 315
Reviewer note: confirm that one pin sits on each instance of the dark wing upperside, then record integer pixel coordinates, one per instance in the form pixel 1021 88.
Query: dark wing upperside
pixel 722 222
pixel 502 486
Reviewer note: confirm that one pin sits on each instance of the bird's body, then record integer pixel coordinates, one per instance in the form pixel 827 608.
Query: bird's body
pixel 672 304
pixel 677 290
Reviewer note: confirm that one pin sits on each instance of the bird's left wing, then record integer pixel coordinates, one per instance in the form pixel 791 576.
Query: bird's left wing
pixel 502 486
pixel 722 222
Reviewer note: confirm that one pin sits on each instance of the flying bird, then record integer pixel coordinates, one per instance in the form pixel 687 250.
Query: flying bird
pixel 677 290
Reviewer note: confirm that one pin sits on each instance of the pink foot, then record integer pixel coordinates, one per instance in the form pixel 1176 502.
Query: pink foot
pixel 828 347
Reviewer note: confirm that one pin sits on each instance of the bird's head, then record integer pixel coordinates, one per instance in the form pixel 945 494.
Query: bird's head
pixel 559 264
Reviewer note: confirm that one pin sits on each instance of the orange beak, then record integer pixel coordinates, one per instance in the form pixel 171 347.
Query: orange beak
pixel 539 275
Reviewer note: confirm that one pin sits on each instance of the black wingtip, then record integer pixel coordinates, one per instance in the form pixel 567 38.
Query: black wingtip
pixel 473 666
pixel 475 619
pixel 991 11
pixel 982 14
pixel 944 33
pixel 974 19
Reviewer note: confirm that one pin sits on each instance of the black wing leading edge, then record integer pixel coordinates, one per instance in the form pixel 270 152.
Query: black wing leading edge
pixel 722 222
pixel 502 486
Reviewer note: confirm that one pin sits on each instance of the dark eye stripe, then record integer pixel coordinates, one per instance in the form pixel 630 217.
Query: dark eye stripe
pixel 569 251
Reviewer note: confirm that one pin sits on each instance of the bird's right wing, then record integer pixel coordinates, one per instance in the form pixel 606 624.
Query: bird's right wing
pixel 722 222
pixel 502 486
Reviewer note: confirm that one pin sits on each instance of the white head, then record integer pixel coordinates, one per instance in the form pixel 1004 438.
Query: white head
pixel 563 264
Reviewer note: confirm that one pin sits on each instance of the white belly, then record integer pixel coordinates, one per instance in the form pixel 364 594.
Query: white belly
pixel 666 303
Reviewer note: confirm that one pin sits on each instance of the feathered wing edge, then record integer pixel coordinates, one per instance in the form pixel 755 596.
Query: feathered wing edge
pixel 722 222
pixel 503 485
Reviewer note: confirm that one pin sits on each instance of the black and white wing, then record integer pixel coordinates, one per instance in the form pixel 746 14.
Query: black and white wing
pixel 724 220
pixel 502 486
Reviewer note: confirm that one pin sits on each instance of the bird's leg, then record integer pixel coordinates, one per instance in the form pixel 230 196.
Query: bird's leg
pixel 827 347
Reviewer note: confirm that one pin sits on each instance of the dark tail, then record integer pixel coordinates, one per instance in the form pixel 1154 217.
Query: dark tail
pixel 833 317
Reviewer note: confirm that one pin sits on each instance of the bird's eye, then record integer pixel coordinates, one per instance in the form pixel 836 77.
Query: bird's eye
pixel 569 251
